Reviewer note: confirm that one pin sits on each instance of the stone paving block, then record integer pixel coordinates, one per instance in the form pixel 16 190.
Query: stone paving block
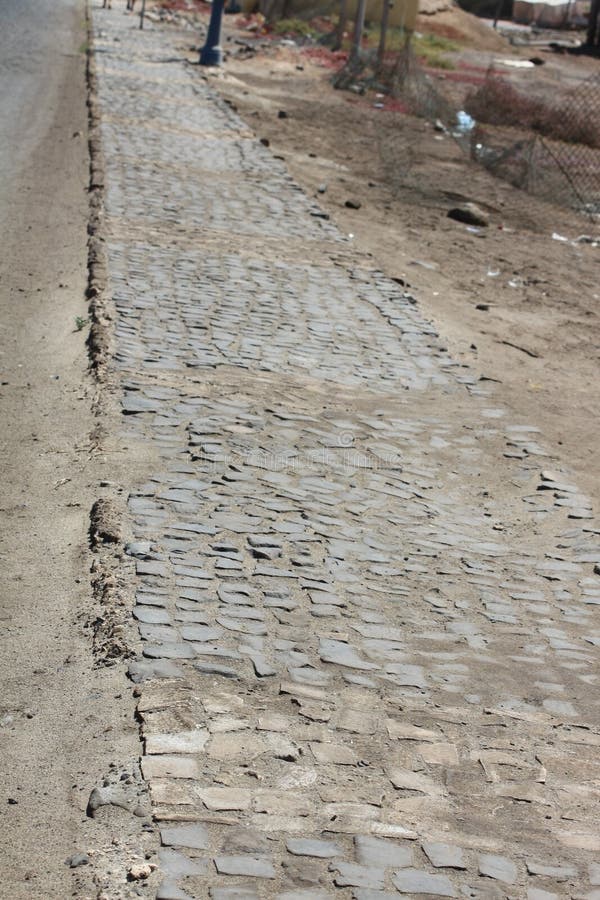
pixel 333 754
pixel 311 847
pixel 194 837
pixel 371 851
pixel 414 881
pixel 443 855
pixel 177 742
pixel 244 865
pixel 176 865
pixel 169 766
pixel 368 894
pixel 222 798
pixel 498 867
pixel 169 890
pixel 239 892
pixel 557 872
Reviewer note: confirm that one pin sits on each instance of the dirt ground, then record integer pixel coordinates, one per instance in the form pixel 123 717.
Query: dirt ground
pixel 66 720
pixel 516 305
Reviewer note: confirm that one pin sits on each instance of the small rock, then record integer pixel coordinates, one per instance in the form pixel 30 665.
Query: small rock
pixel 78 859
pixel 353 204
pixel 265 142
pixel 139 872
pixel 111 795
pixel 282 114
pixel 470 214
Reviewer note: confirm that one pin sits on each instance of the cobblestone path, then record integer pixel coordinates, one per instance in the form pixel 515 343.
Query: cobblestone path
pixel 367 605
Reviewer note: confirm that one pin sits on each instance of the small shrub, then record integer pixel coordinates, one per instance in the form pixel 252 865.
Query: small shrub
pixel 431 50
pixel 293 27
pixel 497 102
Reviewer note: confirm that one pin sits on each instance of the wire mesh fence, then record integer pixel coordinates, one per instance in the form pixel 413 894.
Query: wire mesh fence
pixel 550 149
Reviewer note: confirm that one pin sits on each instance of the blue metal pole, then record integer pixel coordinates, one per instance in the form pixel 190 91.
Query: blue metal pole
pixel 211 54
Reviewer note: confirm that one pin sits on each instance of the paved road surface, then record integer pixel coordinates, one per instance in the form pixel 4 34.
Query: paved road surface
pixel 36 40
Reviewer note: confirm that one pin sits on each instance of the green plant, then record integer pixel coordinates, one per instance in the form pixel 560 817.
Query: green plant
pixel 395 37
pixel 431 48
pixel 81 322
pixel 294 26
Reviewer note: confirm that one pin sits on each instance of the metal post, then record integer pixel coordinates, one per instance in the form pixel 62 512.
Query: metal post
pixel 142 13
pixel 359 24
pixel 498 13
pixel 211 54
pixel 341 26
pixel 593 38
pixel 385 14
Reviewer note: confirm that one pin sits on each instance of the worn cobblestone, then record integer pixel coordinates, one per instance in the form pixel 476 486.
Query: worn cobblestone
pixel 366 606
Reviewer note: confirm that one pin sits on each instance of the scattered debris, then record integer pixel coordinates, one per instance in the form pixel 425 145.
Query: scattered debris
pixel 531 353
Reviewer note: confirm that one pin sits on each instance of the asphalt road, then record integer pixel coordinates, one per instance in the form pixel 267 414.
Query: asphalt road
pixel 36 40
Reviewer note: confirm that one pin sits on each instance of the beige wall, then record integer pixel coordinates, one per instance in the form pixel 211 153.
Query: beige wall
pixel 403 13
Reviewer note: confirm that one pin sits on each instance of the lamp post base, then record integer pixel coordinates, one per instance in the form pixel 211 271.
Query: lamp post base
pixel 211 56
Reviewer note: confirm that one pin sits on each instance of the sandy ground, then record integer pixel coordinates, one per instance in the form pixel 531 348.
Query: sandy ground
pixel 537 333
pixel 63 720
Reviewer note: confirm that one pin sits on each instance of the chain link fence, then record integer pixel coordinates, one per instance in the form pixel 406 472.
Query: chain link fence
pixel 550 149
